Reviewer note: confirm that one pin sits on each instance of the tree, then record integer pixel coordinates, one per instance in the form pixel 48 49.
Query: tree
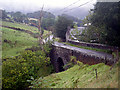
pixel 104 23
pixel 47 22
pixel 106 14
pixel 40 37
pixel 4 14
pixel 61 26
pixel 75 19
pixel 37 13
pixel 40 30
pixel 19 17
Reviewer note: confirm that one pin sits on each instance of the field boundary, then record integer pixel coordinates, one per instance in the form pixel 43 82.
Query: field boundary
pixel 23 30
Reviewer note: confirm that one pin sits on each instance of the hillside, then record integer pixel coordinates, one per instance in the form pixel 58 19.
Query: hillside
pixel 15 41
pixel 68 44
pixel 81 76
pixel 22 57
pixel 20 25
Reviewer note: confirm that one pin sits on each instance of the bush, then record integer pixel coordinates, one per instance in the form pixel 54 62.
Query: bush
pixel 17 70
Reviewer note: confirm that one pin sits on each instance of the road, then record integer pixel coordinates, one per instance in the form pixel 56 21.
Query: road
pixel 80 30
pixel 85 51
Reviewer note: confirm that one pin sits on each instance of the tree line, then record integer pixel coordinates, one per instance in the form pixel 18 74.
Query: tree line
pixel 105 23
pixel 57 24
pixel 104 19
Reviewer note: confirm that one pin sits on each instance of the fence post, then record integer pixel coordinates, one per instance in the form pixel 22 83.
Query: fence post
pixel 96 73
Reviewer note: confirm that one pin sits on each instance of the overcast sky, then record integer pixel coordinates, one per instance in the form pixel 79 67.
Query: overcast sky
pixel 26 5
pixel 54 6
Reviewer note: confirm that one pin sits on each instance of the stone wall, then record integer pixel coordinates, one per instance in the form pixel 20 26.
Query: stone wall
pixel 94 45
pixel 65 55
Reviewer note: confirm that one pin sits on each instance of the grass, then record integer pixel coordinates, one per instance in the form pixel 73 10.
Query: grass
pixel 0 75
pixel 16 42
pixel 57 39
pixel 22 26
pixel 82 76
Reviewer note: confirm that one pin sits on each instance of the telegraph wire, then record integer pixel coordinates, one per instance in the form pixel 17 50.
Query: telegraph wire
pixel 70 5
pixel 78 6
pixel 64 9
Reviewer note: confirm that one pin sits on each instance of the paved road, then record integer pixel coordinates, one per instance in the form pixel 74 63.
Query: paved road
pixel 85 51
pixel 80 30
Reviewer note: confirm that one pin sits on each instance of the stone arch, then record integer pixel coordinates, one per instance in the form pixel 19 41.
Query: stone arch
pixel 60 64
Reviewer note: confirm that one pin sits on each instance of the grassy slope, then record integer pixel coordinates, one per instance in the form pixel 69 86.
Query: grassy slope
pixel 83 77
pixel 22 26
pixel 23 40
pixel 0 76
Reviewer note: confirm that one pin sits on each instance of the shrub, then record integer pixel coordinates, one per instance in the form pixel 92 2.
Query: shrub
pixel 17 70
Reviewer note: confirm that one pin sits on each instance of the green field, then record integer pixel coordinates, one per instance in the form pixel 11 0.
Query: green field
pixel 82 76
pixel 20 25
pixel 15 41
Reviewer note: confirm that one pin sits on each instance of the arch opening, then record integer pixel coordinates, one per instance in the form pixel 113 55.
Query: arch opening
pixel 60 64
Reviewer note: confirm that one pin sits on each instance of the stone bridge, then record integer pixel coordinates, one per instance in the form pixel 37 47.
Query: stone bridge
pixel 61 55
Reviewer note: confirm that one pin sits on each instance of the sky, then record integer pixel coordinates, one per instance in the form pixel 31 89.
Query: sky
pixel 54 6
